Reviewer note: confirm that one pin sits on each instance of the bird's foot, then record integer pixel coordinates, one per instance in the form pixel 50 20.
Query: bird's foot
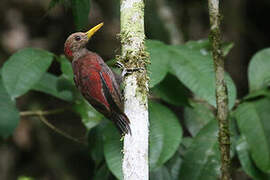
pixel 127 71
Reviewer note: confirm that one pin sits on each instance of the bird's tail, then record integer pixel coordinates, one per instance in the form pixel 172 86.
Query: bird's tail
pixel 122 122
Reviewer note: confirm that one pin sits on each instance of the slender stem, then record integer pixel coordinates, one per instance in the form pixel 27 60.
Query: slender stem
pixel 40 112
pixel 221 88
pixel 41 115
pixel 135 161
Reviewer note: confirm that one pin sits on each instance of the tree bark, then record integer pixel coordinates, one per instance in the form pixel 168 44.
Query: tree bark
pixel 221 89
pixel 135 161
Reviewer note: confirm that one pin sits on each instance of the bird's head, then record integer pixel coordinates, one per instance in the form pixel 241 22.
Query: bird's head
pixel 77 41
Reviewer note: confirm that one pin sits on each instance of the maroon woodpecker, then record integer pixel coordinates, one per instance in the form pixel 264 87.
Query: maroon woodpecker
pixel 95 80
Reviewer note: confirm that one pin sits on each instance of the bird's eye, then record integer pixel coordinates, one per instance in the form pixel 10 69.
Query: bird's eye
pixel 77 38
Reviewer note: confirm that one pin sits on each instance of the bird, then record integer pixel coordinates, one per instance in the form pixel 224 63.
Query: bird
pixel 94 79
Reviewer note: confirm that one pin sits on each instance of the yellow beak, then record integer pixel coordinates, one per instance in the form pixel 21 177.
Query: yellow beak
pixel 92 31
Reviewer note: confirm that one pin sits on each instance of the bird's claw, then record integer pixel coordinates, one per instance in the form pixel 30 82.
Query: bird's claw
pixel 127 71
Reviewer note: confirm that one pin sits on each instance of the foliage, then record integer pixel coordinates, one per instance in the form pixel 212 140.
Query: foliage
pixel 180 76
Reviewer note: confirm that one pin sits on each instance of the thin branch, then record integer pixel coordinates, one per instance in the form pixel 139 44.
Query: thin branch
pixel 221 88
pixel 40 112
pixel 41 115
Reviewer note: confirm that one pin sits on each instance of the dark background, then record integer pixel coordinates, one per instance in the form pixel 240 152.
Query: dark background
pixel 34 149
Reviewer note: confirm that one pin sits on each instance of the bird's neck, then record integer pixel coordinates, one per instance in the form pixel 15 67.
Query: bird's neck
pixel 80 53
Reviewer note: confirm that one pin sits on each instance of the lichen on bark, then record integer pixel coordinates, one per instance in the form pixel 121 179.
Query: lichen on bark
pixel 135 161
pixel 221 88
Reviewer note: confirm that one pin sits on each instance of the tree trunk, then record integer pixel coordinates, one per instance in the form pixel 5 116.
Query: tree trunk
pixel 135 162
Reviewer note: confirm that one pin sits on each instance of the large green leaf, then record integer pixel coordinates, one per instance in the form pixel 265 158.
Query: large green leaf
pixel 253 122
pixel 24 69
pixel 80 10
pixel 159 61
pixel 9 115
pixel 258 70
pixel 196 71
pixel 112 150
pixel 246 162
pixel 196 117
pixel 169 132
pixel 95 143
pixel 48 84
pixel 201 160
pixel 172 91
pixel 161 173
pixel 90 117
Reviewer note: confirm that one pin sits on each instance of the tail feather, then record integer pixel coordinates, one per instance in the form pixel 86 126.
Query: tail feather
pixel 122 122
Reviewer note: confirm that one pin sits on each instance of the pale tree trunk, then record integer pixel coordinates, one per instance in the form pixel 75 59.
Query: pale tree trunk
pixel 221 89
pixel 135 161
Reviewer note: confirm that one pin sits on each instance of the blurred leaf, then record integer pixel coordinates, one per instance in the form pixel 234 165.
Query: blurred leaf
pixel 174 165
pixel 24 69
pixel 95 141
pixel 253 122
pixel 25 178
pixel 197 73
pixel 80 11
pixel 201 160
pixel 258 70
pixel 66 68
pixel 196 117
pixel 258 93
pixel 159 58
pixel 103 173
pixel 9 114
pixel 112 150
pixel 246 162
pixel 172 91
pixel 160 173
pixel 204 46
pixel 90 117
pixel 169 130
pixel 48 84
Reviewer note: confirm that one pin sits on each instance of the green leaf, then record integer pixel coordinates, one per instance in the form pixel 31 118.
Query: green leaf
pixel 90 117
pixel 48 84
pixel 201 160
pixel 66 68
pixel 172 91
pixel 103 173
pixel 112 150
pixel 196 117
pixel 196 72
pixel 194 69
pixel 80 10
pixel 258 70
pixel 258 93
pixel 24 69
pixel 159 58
pixel 204 46
pixel 253 122
pixel 95 143
pixel 9 114
pixel 169 130
pixel 246 161
pixel 174 165
pixel 161 173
